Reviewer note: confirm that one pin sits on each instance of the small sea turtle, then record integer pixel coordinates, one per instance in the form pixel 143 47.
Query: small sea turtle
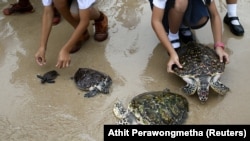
pixel 48 77
pixel 93 81
pixel 201 69
pixel 153 108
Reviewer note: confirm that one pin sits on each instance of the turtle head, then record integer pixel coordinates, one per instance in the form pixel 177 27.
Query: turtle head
pixel 120 112
pixel 125 117
pixel 203 87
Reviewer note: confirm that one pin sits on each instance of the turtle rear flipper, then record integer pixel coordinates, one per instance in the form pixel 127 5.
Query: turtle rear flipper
pixel 92 93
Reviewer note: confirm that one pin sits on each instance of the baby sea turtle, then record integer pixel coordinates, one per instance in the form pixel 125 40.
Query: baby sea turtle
pixel 201 69
pixel 93 81
pixel 153 108
pixel 48 77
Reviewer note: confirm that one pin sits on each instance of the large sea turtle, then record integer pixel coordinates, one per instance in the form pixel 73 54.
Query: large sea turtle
pixel 48 77
pixel 153 108
pixel 201 69
pixel 93 81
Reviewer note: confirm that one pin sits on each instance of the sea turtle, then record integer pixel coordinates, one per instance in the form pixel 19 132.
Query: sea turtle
pixel 153 108
pixel 48 77
pixel 201 69
pixel 93 81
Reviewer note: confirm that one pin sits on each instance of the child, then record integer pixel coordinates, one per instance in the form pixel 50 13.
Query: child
pixel 78 13
pixel 191 13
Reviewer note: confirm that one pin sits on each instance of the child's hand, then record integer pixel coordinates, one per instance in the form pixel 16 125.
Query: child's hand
pixel 224 57
pixel 63 59
pixel 40 56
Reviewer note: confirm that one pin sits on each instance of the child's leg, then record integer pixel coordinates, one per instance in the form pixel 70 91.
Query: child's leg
pixel 165 17
pixel 70 12
pixel 101 20
pixel 175 18
pixel 64 9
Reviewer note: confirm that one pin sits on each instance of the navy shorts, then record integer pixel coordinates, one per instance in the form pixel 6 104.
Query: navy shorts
pixel 195 11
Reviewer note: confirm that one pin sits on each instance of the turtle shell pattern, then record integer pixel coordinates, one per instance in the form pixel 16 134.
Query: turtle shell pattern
pixel 156 108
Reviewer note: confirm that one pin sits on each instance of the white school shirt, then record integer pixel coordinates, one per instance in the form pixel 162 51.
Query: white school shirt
pixel 82 4
pixel 161 3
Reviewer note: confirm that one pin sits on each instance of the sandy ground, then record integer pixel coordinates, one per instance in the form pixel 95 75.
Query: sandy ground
pixel 132 56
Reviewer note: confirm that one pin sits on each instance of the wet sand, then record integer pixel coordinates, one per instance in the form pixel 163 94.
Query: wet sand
pixel 132 56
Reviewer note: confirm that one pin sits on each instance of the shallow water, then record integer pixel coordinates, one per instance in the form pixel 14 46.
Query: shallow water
pixel 132 56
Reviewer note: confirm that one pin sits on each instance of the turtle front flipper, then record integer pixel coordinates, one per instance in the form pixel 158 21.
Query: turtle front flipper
pixel 39 76
pixel 43 80
pixel 105 85
pixel 191 86
pixel 92 93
